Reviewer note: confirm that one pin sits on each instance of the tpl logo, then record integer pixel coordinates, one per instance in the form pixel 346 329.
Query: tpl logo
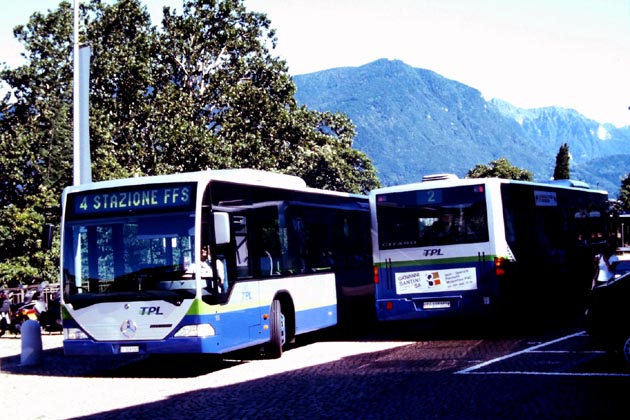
pixel 150 310
pixel 432 252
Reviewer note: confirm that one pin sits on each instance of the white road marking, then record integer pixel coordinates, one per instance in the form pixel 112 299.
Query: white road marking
pixel 535 349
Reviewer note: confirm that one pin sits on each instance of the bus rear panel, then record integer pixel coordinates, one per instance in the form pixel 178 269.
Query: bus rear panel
pixel 452 248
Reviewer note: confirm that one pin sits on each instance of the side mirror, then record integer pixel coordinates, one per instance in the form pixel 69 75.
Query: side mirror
pixel 48 231
pixel 221 228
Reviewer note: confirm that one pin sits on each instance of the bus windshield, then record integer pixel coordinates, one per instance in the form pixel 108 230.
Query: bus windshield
pixel 432 217
pixel 143 253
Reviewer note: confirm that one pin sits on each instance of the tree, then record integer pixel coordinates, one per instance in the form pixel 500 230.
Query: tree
pixel 562 171
pixel 322 154
pixel 624 195
pixel 500 168
pixel 203 91
pixel 35 146
pixel 122 94
pixel 214 62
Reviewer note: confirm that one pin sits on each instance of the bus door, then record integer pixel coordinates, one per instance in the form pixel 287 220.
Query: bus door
pixel 239 289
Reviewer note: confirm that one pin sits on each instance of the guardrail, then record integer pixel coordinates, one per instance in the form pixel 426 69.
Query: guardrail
pixel 18 294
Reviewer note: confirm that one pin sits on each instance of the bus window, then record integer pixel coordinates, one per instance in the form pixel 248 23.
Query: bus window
pixel 243 266
pixel 438 217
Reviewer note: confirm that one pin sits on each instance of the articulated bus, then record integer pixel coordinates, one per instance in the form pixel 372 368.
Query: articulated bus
pixel 449 247
pixel 207 262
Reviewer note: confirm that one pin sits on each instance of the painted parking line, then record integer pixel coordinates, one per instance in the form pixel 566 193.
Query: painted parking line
pixel 532 350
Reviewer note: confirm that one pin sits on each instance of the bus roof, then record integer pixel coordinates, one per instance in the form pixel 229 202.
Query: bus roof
pixel 569 183
pixel 245 176
pixel 239 175
pixel 445 181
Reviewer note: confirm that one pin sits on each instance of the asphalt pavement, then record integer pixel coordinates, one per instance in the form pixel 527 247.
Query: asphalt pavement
pixel 421 374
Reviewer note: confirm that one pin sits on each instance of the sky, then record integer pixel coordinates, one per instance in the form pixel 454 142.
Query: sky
pixel 532 53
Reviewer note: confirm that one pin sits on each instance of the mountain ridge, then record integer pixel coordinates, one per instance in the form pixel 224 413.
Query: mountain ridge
pixel 412 122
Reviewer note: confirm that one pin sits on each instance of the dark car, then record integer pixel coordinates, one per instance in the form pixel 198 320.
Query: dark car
pixel 621 267
pixel 608 315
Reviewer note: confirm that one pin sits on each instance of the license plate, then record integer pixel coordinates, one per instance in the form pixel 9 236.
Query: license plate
pixel 438 304
pixel 129 349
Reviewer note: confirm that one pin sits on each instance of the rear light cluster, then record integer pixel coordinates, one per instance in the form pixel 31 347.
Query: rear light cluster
pixel 499 266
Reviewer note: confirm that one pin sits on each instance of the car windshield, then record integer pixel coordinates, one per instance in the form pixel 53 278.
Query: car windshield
pixel 143 254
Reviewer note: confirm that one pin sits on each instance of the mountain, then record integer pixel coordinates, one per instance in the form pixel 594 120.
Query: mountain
pixel 412 122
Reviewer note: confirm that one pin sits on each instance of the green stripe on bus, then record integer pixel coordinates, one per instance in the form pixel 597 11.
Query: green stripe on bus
pixel 440 261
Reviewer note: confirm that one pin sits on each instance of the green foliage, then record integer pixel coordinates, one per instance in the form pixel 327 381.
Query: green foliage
pixel 624 194
pixel 321 153
pixel 23 260
pixel 500 168
pixel 561 170
pixel 203 91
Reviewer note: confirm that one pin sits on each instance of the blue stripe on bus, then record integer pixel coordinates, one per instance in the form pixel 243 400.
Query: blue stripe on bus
pixel 410 306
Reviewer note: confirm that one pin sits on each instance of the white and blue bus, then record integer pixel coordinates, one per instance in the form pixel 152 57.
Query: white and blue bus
pixel 281 257
pixel 448 247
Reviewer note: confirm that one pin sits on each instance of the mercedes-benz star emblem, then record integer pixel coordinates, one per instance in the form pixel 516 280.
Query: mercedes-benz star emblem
pixel 128 328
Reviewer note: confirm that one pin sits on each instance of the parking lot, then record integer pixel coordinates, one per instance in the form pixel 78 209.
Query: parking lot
pixel 571 355
pixel 418 375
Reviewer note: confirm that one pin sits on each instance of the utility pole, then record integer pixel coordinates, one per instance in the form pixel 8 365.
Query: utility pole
pixel 82 167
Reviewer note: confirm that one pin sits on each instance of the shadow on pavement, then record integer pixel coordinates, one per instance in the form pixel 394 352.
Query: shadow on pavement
pixel 55 363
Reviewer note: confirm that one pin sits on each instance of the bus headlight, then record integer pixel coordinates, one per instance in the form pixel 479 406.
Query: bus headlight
pixel 74 334
pixel 197 330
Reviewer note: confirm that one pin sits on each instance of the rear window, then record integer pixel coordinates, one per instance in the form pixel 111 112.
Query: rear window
pixel 432 217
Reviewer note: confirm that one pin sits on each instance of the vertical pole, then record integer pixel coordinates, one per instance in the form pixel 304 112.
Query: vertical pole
pixel 82 167
pixel 84 123
pixel 75 98
pixel 31 333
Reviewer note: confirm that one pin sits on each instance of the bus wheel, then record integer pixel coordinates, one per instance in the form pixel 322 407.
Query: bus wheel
pixel 277 331
pixel 625 350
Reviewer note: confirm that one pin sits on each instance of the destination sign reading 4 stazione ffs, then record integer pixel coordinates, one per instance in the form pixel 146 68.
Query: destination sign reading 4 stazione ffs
pixel 126 199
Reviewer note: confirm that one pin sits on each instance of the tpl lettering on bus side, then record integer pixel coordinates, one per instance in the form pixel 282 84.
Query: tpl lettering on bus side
pixel 150 310
pixel 432 252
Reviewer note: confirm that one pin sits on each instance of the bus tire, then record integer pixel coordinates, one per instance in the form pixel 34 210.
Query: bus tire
pixel 277 331
pixel 625 349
